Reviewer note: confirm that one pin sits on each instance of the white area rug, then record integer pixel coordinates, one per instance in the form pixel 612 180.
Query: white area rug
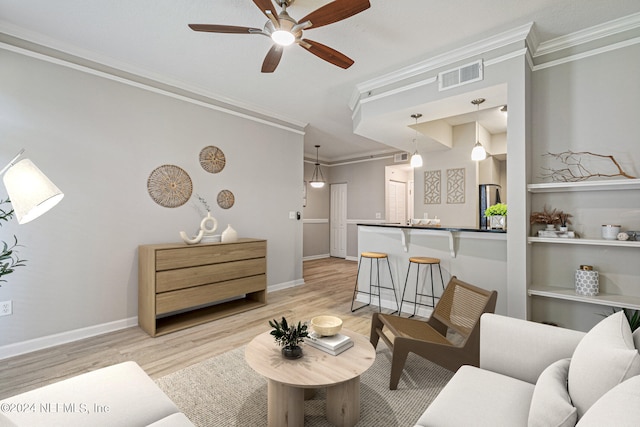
pixel 225 391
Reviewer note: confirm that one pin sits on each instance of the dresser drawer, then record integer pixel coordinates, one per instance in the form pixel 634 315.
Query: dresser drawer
pixel 171 280
pixel 168 302
pixel 191 256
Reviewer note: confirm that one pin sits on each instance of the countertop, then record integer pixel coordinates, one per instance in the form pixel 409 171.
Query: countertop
pixel 428 227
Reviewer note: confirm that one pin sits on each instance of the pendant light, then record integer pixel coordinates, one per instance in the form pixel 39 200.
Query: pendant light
pixel 416 159
pixel 478 153
pixel 317 179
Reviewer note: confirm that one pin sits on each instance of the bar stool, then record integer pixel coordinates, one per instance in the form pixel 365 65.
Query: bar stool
pixel 371 256
pixel 430 262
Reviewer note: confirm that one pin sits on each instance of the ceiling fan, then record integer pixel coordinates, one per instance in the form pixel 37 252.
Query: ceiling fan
pixel 284 30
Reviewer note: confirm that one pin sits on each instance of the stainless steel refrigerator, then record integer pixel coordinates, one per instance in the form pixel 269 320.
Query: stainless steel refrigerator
pixel 489 195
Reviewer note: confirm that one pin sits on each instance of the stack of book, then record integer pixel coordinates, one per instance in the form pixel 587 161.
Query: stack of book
pixel 333 345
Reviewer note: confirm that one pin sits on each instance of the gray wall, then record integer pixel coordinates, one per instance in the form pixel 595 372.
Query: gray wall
pixel 99 140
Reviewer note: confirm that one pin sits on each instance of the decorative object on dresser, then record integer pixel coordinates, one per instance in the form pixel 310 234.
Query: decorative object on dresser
pixel 169 186
pixel 289 336
pixel 205 235
pixel 212 159
pixel 181 286
pixel 229 235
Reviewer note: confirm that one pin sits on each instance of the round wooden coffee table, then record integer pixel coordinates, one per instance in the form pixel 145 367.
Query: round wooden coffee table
pixel 288 379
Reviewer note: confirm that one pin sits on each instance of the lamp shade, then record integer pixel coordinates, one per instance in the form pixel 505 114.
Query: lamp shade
pixel 478 153
pixel 416 160
pixel 30 191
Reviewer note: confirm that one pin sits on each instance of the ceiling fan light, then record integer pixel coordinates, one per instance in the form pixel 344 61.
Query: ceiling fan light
pixel 478 153
pixel 416 160
pixel 283 38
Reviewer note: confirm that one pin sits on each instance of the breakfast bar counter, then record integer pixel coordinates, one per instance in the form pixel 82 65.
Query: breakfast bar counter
pixel 476 256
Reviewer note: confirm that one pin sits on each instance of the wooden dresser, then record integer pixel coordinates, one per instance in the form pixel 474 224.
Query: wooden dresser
pixel 181 286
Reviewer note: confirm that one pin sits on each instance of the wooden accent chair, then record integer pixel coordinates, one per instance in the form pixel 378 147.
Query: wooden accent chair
pixel 459 309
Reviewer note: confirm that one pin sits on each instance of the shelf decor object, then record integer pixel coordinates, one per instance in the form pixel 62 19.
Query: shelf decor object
pixel 226 199
pixel 212 159
pixel 575 169
pixel 169 186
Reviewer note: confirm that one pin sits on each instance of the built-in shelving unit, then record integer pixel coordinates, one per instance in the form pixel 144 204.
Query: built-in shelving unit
pixel 556 187
pixel 568 292
pixel 612 300
pixel 591 242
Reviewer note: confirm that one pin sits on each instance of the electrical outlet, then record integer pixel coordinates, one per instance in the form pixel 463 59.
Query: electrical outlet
pixel 6 308
pixel 378 215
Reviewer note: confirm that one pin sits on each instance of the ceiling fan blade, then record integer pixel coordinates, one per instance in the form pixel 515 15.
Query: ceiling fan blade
pixel 230 29
pixel 272 59
pixel 327 53
pixel 265 5
pixel 335 11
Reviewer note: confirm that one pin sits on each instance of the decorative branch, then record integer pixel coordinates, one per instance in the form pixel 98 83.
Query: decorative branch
pixel 576 171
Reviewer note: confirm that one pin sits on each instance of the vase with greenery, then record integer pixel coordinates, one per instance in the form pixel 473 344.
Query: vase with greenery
pixel 497 215
pixel 9 259
pixel 289 336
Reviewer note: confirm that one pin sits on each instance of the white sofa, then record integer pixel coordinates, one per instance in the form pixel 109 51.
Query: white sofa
pixel 121 395
pixel 533 375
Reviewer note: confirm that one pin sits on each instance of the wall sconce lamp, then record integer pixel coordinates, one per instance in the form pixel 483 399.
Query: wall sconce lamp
pixel 416 158
pixel 317 179
pixel 478 153
pixel 30 191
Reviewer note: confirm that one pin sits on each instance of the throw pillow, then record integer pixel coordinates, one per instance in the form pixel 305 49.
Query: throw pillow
pixel 636 338
pixel 619 407
pixel 551 405
pixel 604 358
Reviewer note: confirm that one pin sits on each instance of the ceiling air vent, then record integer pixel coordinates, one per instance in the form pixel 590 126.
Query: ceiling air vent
pixel 460 76
pixel 401 157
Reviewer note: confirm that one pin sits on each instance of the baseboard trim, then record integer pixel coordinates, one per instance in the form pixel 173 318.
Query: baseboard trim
pixel 36 344
pixel 312 257
pixel 48 341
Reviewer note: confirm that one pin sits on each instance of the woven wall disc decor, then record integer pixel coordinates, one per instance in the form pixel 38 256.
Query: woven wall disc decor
pixel 226 199
pixel 169 186
pixel 212 159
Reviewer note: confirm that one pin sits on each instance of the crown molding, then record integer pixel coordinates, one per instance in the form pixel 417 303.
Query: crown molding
pixel 587 35
pixel 43 48
pixel 463 53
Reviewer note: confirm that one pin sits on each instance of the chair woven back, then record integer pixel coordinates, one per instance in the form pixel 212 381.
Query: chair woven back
pixel 461 306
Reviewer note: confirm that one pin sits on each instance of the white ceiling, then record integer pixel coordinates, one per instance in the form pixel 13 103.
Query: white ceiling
pixel 151 37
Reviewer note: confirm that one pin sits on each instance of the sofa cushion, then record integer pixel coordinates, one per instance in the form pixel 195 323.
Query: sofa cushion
pixel 551 405
pixel 174 420
pixel 479 398
pixel 115 396
pixel 636 339
pixel 605 357
pixel 619 407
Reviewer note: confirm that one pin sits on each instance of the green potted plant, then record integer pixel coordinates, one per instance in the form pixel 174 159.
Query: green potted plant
pixel 497 215
pixel 289 336
pixel 9 259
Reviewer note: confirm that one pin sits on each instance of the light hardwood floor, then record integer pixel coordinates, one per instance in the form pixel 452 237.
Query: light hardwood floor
pixel 328 289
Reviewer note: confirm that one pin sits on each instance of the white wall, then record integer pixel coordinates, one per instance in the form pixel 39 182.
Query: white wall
pixel 98 140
